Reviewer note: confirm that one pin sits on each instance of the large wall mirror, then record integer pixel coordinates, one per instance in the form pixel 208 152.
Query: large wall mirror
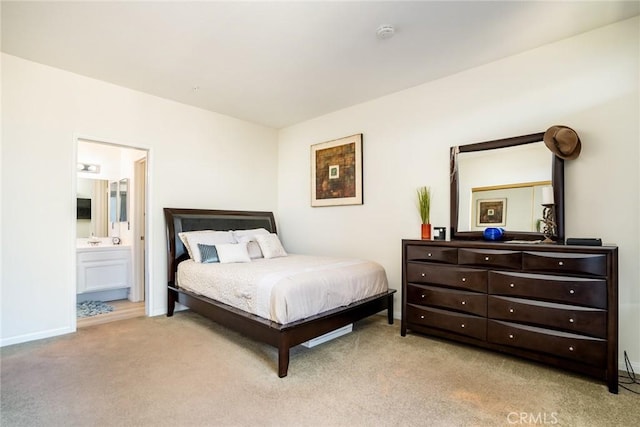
pixel 501 184
pixel 92 204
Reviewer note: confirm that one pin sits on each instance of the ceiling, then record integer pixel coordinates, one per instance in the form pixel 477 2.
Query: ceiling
pixel 278 63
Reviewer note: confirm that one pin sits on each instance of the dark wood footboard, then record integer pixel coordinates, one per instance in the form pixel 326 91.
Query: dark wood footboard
pixel 283 337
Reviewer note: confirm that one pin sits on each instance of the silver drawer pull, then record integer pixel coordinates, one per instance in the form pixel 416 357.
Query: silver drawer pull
pixel 510 336
pixel 570 348
pixel 429 254
pixel 463 302
pixel 464 279
pixel 560 263
pixel 570 320
pixel 422 317
pixel 571 291
pixel 511 310
pixel 423 275
pixel 511 285
pixel 486 258
pixel 422 296
pixel 462 326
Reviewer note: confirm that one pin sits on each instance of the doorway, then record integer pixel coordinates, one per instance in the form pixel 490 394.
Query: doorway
pixel 111 268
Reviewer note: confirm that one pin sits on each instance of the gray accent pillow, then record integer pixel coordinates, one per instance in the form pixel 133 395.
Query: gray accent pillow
pixel 208 253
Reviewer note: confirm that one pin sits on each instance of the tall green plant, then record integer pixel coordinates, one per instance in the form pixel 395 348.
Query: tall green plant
pixel 424 204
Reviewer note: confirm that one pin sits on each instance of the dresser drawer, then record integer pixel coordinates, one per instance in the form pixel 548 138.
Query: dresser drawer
pixel 454 277
pixel 568 263
pixel 570 318
pixel 592 351
pixel 462 324
pixel 569 290
pixel 432 253
pixel 463 301
pixel 490 258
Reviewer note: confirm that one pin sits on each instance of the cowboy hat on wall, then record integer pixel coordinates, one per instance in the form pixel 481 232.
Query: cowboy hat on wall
pixel 563 142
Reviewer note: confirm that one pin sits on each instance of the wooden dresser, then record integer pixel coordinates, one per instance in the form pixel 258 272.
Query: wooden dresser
pixel 554 304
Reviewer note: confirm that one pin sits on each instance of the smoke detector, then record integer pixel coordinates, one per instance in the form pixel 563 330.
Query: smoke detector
pixel 385 32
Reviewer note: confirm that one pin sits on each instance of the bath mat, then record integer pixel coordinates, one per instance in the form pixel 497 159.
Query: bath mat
pixel 92 308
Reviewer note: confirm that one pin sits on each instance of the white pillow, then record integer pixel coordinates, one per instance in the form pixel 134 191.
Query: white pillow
pixel 270 245
pixel 252 232
pixel 190 239
pixel 249 237
pixel 252 246
pixel 234 252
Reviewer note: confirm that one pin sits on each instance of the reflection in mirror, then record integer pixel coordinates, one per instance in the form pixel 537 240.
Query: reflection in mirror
pixel 489 207
pixel 500 184
pixel 113 202
pixel 95 192
pixel 507 174
pixel 124 206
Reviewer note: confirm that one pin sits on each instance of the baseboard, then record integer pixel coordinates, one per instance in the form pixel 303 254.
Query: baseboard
pixel 108 295
pixel 622 367
pixel 35 336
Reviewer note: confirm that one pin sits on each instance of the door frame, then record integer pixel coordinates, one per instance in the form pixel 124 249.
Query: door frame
pixel 148 295
pixel 139 285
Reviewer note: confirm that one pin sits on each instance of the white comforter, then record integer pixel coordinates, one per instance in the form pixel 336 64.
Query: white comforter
pixel 285 289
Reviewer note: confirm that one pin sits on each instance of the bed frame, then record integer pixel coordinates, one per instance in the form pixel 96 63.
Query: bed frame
pixel 283 337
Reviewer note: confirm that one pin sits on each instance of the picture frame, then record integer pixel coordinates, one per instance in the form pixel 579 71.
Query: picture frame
pixel 336 172
pixel 491 212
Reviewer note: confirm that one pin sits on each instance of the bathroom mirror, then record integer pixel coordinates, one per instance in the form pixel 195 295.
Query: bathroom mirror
pixel 94 193
pixel 123 190
pixel 504 177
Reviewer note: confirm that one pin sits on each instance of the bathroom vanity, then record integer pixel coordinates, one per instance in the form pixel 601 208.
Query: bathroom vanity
pixel 103 267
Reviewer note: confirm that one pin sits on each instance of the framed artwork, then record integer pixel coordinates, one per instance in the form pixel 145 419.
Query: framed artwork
pixel 336 172
pixel 491 213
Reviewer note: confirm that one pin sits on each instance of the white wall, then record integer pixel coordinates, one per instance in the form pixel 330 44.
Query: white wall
pixel 589 82
pixel 196 159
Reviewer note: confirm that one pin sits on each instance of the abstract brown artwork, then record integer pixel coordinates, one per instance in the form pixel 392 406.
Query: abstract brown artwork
pixel 491 212
pixel 337 172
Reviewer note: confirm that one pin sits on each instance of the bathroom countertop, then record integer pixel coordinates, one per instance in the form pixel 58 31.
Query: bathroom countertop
pixel 82 244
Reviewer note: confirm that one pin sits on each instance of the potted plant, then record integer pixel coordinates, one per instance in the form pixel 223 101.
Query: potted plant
pixel 424 207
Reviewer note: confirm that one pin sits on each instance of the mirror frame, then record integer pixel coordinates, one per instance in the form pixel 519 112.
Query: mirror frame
pixel 557 181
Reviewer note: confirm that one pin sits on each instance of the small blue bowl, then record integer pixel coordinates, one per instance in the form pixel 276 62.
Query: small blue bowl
pixel 493 233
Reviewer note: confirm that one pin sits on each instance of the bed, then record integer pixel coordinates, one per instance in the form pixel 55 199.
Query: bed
pixel 283 336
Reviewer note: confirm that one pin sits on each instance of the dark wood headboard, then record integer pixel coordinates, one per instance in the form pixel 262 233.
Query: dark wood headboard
pixel 179 220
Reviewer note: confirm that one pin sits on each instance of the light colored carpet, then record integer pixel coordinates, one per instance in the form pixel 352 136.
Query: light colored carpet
pixel 188 371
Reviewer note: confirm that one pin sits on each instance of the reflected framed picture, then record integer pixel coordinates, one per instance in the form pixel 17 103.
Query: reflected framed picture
pixel 491 213
pixel 336 172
